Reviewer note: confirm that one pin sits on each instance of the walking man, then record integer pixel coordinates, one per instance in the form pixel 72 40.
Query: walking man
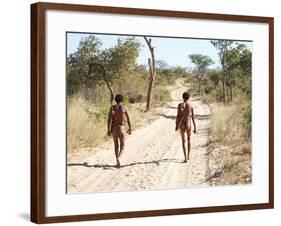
pixel 183 122
pixel 117 118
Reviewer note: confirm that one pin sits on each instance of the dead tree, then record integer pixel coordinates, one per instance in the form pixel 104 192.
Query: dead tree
pixel 103 73
pixel 152 72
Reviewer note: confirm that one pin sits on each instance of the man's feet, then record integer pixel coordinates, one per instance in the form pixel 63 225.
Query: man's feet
pixel 185 161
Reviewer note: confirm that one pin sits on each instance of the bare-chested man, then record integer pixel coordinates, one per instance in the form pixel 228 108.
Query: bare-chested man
pixel 183 122
pixel 117 117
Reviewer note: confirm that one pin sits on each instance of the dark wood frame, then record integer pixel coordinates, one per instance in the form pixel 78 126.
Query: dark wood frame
pixel 38 22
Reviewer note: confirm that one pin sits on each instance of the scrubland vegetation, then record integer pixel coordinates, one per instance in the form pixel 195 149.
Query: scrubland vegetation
pixel 94 74
pixel 87 117
pixel 89 88
pixel 228 93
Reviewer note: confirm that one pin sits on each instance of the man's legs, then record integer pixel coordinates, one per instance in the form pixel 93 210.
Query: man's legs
pixel 116 146
pixel 188 133
pixel 183 144
pixel 121 135
pixel 188 146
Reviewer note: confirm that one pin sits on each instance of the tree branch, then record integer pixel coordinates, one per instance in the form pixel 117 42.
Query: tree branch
pixel 153 64
pixel 91 65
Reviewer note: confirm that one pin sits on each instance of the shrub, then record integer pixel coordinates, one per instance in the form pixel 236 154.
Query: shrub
pixel 161 95
pixel 247 118
pixel 85 127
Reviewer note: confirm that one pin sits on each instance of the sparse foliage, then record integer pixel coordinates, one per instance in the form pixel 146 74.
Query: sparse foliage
pixel 223 46
pixel 201 62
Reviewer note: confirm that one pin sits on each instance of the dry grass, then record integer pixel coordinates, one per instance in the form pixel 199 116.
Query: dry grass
pixel 230 149
pixel 82 129
pixel 87 122
pixel 226 125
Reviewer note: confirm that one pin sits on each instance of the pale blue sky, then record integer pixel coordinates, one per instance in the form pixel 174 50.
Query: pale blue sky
pixel 174 51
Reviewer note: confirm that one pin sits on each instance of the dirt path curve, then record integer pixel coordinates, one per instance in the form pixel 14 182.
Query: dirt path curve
pixel 152 157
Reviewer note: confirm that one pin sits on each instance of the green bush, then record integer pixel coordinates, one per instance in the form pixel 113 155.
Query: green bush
pixel 165 77
pixel 99 114
pixel 247 118
pixel 136 98
pixel 161 95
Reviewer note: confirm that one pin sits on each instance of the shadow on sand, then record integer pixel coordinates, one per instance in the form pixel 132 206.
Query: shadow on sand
pixel 108 166
pixel 197 116
pixel 202 117
pixel 173 117
pixel 172 107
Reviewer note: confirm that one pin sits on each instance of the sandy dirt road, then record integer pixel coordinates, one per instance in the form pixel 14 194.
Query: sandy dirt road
pixel 152 159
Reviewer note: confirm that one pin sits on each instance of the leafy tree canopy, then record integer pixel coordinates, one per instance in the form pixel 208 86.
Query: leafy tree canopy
pixel 201 61
pixel 82 69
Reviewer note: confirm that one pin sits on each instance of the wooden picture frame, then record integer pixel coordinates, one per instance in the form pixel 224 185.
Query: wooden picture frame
pixel 38 108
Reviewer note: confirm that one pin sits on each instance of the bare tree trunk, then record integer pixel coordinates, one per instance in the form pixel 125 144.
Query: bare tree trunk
pixel 104 78
pixel 200 76
pixel 231 85
pixel 230 89
pixel 149 91
pixel 199 87
pixel 223 91
pixel 152 72
pixel 224 87
pixel 224 79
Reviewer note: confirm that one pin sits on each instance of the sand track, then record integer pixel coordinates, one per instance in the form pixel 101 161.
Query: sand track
pixel 152 157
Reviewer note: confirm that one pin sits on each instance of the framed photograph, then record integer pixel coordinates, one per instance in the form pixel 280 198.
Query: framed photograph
pixel 141 112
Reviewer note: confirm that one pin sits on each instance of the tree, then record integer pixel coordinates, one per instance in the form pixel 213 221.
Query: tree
pixel 90 65
pixel 232 69
pixel 223 46
pixel 78 77
pixel 239 68
pixel 152 72
pixel 95 66
pixel 121 57
pixel 201 62
pixel 246 67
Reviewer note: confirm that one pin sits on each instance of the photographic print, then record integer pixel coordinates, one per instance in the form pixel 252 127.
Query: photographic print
pixel 151 112
pixel 135 104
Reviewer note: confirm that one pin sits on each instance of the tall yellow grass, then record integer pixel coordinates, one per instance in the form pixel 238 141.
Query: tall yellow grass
pixel 85 130
pixel 226 124
pixel 230 146
pixel 82 131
